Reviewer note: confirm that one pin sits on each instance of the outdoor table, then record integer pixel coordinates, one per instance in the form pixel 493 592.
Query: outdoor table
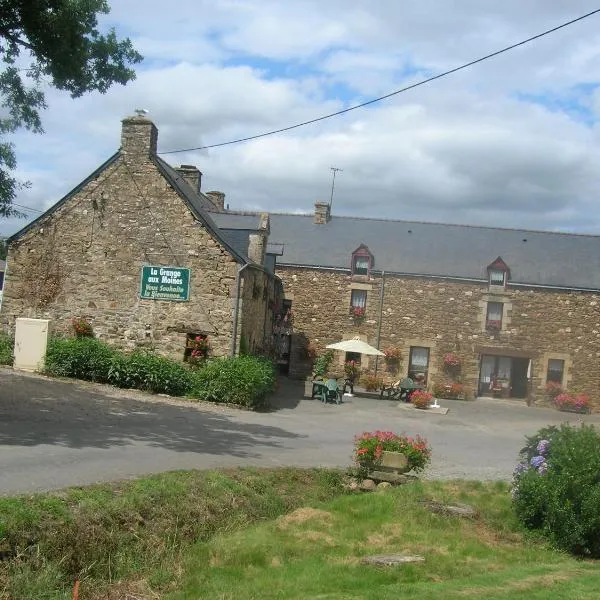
pixel 321 390
pixel 401 390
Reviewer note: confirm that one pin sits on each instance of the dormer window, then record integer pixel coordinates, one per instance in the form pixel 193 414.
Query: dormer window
pixel 498 273
pixel 362 261
pixel 497 277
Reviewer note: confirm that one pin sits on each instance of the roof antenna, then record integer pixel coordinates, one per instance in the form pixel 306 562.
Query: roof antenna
pixel 335 170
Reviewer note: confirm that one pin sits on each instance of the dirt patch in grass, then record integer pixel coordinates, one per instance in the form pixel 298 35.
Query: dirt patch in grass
pixel 302 515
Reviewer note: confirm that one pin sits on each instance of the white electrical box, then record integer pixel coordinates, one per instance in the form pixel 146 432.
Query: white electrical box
pixel 31 339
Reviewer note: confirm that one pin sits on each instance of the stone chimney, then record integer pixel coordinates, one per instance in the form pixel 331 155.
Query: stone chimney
pixel 192 175
pixel 322 214
pixel 138 136
pixel 218 200
pixel 257 242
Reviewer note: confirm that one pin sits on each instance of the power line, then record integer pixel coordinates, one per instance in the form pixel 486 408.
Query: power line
pixel 22 206
pixel 400 91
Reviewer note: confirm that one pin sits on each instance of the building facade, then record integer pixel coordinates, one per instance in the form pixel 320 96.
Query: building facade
pixel 133 250
pixel 515 308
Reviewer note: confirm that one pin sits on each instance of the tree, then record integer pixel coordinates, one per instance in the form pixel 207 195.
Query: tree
pixel 55 42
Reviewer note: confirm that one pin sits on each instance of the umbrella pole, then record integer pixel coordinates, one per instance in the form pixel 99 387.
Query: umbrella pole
pixel 381 293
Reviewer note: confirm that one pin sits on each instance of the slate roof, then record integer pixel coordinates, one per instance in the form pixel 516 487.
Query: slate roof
pixel 538 258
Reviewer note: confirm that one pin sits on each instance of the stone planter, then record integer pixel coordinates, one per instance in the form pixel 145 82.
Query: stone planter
pixel 573 409
pixel 390 468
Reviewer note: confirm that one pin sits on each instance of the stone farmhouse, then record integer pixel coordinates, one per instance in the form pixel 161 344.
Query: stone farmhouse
pixel 134 250
pixel 515 309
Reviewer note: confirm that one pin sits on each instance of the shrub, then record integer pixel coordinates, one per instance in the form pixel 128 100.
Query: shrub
pixel 371 382
pixel 82 358
pixel 146 371
pixel 6 349
pixel 322 364
pixel 369 445
pixel 556 488
pixel 242 380
pixel 421 399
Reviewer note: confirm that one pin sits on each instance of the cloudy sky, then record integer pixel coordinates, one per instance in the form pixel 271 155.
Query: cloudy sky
pixel 511 142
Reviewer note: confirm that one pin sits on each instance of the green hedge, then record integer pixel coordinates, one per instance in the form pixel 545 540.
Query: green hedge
pixel 82 358
pixel 243 380
pixel 6 349
pixel 151 373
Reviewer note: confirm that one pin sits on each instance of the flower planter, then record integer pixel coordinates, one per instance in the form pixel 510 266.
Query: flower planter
pixel 390 467
pixel 574 409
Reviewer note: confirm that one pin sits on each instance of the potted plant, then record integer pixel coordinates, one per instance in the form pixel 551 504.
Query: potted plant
pixel 351 370
pixel 451 361
pixel 421 399
pixel 579 403
pixel 82 328
pixel 369 449
pixel 392 354
pixel 358 313
pixel 493 325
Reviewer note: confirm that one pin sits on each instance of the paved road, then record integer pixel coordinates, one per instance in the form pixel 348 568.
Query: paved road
pixel 55 434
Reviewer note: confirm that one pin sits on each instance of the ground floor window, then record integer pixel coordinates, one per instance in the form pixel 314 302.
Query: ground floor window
pixel 556 370
pixel 418 364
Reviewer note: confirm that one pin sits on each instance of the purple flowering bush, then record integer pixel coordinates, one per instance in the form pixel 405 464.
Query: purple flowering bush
pixel 556 487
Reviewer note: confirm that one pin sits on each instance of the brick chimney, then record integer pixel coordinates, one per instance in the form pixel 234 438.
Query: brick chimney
pixel 192 175
pixel 322 213
pixel 218 200
pixel 257 242
pixel 138 136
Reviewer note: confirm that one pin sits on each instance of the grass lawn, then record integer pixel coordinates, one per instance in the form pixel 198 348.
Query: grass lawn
pixel 315 552
pixel 274 533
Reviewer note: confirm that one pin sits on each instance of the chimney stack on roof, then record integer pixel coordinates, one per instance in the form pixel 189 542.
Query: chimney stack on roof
pixel 322 213
pixel 192 175
pixel 217 199
pixel 257 241
pixel 139 136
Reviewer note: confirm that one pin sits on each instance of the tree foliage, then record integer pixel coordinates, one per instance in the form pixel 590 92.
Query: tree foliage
pixel 54 42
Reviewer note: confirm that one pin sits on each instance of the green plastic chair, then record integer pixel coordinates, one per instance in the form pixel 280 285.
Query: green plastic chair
pixel 333 391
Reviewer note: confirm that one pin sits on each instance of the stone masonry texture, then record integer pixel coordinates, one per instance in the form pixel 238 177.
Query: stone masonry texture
pixel 449 316
pixel 84 260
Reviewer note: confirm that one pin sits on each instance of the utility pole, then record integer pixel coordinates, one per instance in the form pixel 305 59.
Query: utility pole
pixel 335 170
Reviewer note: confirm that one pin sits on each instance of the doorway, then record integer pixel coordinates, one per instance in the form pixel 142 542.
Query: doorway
pixel 503 376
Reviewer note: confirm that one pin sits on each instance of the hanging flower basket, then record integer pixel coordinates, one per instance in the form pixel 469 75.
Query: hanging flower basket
pixel 392 354
pixel 451 361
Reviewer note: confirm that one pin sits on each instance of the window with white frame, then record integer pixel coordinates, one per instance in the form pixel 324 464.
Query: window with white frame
pixel 497 277
pixel 494 314
pixel 418 364
pixel 358 302
pixel 360 265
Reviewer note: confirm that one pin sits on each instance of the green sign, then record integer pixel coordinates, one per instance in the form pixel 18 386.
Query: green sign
pixel 165 283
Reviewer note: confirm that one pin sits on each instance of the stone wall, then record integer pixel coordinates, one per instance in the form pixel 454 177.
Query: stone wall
pixel 449 316
pixel 85 260
pixel 260 293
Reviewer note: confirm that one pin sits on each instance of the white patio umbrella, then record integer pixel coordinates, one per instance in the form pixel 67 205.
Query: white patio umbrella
pixel 356 345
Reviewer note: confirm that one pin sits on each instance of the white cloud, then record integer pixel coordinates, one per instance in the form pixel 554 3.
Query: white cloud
pixel 509 142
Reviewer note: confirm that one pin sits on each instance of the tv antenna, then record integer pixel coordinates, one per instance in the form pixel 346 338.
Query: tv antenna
pixel 335 171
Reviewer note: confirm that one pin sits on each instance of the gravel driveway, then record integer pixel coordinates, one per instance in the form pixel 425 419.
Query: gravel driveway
pixel 55 434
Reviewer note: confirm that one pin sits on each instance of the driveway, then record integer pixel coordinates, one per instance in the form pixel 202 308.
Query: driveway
pixel 55 434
